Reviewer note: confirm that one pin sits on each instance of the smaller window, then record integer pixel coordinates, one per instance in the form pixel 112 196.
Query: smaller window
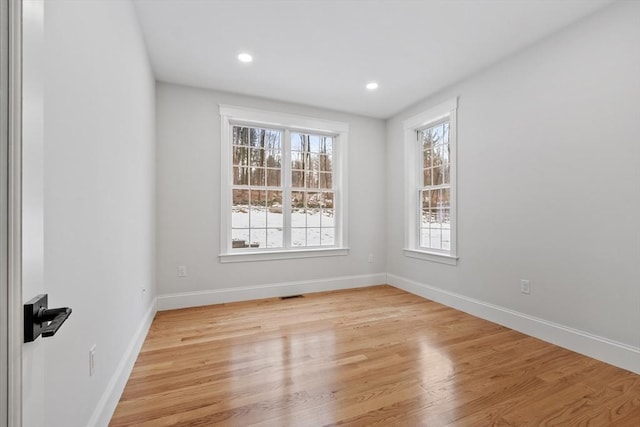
pixel 430 183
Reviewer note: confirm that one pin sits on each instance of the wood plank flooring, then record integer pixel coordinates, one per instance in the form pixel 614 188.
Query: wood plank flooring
pixel 371 356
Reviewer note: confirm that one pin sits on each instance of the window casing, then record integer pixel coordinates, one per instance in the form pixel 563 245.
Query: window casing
pixel 283 191
pixel 430 183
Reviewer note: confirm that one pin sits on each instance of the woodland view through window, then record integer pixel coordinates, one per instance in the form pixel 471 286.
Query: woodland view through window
pixel 435 191
pixel 257 211
pixel 283 194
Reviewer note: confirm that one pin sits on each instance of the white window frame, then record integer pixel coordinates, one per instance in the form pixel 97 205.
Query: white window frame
pixel 413 181
pixel 233 115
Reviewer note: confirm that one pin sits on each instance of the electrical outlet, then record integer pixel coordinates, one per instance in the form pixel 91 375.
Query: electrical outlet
pixel 525 286
pixel 371 258
pixel 92 360
pixel 182 271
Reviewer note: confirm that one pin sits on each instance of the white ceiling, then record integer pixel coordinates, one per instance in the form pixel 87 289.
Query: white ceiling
pixel 323 52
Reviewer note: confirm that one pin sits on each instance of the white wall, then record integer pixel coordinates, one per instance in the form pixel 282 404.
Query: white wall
pixel 549 181
pixel 99 202
pixel 189 197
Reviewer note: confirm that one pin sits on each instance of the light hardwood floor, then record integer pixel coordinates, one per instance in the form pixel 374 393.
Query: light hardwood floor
pixel 371 356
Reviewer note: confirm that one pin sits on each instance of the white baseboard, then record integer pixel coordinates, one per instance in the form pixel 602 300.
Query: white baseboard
pixel 224 295
pixel 606 350
pixel 111 396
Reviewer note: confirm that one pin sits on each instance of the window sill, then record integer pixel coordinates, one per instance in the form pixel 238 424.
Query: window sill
pixel 275 255
pixel 431 256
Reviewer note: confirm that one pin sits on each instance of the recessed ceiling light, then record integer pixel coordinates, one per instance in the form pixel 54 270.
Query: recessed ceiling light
pixel 245 57
pixel 372 85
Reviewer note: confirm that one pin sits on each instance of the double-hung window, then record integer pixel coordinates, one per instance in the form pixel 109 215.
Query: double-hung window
pixel 430 182
pixel 283 191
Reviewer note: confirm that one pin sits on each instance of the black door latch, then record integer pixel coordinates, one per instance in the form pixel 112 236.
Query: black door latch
pixel 41 320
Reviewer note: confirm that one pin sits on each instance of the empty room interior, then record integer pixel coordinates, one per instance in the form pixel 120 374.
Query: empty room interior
pixel 310 213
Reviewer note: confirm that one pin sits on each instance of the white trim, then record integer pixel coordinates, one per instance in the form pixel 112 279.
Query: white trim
pixel 15 337
pixel 246 293
pixel 432 115
pixel 292 121
pixel 609 351
pixel 431 256
pixel 273 255
pixel 107 404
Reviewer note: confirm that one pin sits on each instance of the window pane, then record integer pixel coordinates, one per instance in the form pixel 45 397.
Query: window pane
pixel 312 180
pixel 327 219
pixel 445 198
pixel 326 145
pixel 240 176
pixel 327 236
pixel 297 179
pixel 274 209
pixel 272 140
pixel 314 143
pixel 256 176
pixel 436 134
pixel 445 174
pixel 240 135
pixel 435 242
pixel 273 177
pixel 240 209
pixel 297 160
pixel 256 157
pixel 424 237
pixel 274 237
pixel 326 181
pixel 427 158
pixel 438 155
pixel 313 162
pixel 239 239
pixel 313 236
pixel 433 198
pixel 258 238
pixel 258 212
pixel 326 200
pixel 424 217
pixel 313 211
pixel 296 142
pixel 427 144
pixel 256 137
pixel 326 164
pixel 426 195
pixel 426 177
pixel 240 156
pixel 446 153
pixel 298 237
pixel 445 136
pixel 273 159
pixel 446 239
pixel 445 217
pixel 432 215
pixel 297 200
